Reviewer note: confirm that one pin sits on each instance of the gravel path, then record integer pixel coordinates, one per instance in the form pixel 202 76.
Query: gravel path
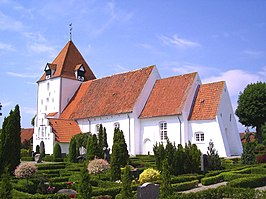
pixel 202 187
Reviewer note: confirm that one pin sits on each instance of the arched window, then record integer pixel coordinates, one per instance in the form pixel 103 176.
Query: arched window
pixel 199 137
pixel 163 130
pixel 117 125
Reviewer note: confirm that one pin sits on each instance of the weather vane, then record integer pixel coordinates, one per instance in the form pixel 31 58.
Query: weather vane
pixel 70 31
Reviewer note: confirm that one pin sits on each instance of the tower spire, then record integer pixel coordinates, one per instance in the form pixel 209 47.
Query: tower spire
pixel 70 31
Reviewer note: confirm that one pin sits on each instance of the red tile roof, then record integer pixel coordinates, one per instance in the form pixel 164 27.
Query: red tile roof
pixel 26 134
pixel 251 137
pixel 107 96
pixel 168 96
pixel 64 130
pixel 66 62
pixel 51 114
pixel 207 101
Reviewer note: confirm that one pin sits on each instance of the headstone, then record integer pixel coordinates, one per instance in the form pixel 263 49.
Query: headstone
pixel 38 158
pixel 148 190
pixel 82 151
pixel 107 154
pixel 204 162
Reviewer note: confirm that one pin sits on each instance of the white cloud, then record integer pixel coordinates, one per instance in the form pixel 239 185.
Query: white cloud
pixel 28 110
pixel 150 47
pixel 6 47
pixel 236 80
pixel 8 23
pixel 22 75
pixel 178 42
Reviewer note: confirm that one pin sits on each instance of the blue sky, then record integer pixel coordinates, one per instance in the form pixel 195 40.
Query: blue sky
pixel 222 40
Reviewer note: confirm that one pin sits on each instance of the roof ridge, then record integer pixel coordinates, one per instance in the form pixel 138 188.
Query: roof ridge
pixel 121 73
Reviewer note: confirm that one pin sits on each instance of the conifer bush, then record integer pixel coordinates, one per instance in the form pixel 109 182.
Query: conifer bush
pixel 166 188
pixel 57 151
pixel 85 189
pixel 149 175
pixel 6 187
pixel 73 150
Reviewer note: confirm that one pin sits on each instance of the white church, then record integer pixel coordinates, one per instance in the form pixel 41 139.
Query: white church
pixel 148 108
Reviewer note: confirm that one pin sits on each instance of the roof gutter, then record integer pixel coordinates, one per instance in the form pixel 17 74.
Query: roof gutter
pixel 129 145
pixel 180 129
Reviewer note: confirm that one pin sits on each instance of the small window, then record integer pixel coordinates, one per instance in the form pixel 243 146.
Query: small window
pixel 117 125
pixel 230 118
pixel 163 130
pixel 199 137
pixel 42 101
pixel 48 86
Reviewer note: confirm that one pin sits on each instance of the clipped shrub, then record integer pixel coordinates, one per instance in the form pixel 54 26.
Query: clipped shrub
pixel 24 153
pixel 185 185
pixel 25 170
pixel 229 176
pixel 212 180
pixel 97 166
pixel 6 187
pixel 185 178
pixel 26 158
pixel 149 175
pixel 57 151
pixel 249 182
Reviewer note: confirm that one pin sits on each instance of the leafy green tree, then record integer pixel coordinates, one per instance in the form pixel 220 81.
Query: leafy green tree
pixel 115 162
pixel 105 143
pixel 57 151
pixel 124 157
pixel 85 189
pixel 73 150
pixel 178 160
pixel 6 187
pixel 82 139
pixel 159 154
pixel 192 158
pixel 251 108
pixel 100 141
pixel 214 162
pixel 166 189
pixel 169 156
pixel 248 155
pixel 92 149
pixel 10 141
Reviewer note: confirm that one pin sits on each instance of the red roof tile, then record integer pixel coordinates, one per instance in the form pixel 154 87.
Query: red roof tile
pixel 64 130
pixel 107 96
pixel 251 137
pixel 66 62
pixel 168 96
pixel 207 101
pixel 51 114
pixel 26 134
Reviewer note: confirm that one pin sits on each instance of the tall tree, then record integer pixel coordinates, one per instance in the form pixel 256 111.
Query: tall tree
pixel 214 162
pixel 100 141
pixel 126 191
pixel 251 108
pixel 105 143
pixel 73 150
pixel 85 190
pixel 92 149
pixel 115 163
pixel 10 141
pixel 57 151
pixel 248 155
pixel 166 189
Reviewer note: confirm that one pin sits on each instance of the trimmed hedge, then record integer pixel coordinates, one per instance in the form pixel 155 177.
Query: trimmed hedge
pixel 249 182
pixel 51 166
pixel 26 159
pixel 212 180
pixel 106 191
pixel 229 176
pixel 185 178
pixel 183 186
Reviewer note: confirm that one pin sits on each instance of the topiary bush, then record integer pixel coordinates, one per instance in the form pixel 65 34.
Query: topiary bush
pixel 25 170
pixel 185 185
pixel 57 151
pixel 212 180
pixel 149 175
pixel 98 166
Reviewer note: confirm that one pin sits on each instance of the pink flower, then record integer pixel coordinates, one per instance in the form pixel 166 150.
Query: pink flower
pixel 25 170
pixel 97 166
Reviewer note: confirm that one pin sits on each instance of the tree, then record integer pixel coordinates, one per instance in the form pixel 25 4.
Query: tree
pixel 57 151
pixel 159 154
pixel 115 163
pixel 100 141
pixel 105 143
pixel 72 150
pixel 169 156
pixel 42 149
pixel 6 187
pixel 192 158
pixel 251 108
pixel 213 159
pixel 33 120
pixel 126 191
pixel 85 189
pixel 248 155
pixel 10 141
pixel 166 189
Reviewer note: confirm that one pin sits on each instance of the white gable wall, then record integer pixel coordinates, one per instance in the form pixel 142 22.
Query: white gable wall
pixel 228 126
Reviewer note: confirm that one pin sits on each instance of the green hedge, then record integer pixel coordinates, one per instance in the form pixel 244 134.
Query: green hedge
pixel 106 191
pixel 61 165
pixel 249 182
pixel 212 180
pixel 185 185
pixel 26 159
pixel 185 178
pixel 229 176
pixel 59 179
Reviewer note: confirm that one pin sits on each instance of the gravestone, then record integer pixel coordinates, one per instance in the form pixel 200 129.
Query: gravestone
pixel 204 162
pixel 148 190
pixel 38 158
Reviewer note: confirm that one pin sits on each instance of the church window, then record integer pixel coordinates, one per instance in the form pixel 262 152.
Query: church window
pixel 47 100
pixel 230 118
pixel 199 136
pixel 42 101
pixel 163 130
pixel 48 86
pixel 45 107
pixel 117 125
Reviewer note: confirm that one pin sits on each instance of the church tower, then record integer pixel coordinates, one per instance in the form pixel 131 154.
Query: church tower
pixel 56 87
